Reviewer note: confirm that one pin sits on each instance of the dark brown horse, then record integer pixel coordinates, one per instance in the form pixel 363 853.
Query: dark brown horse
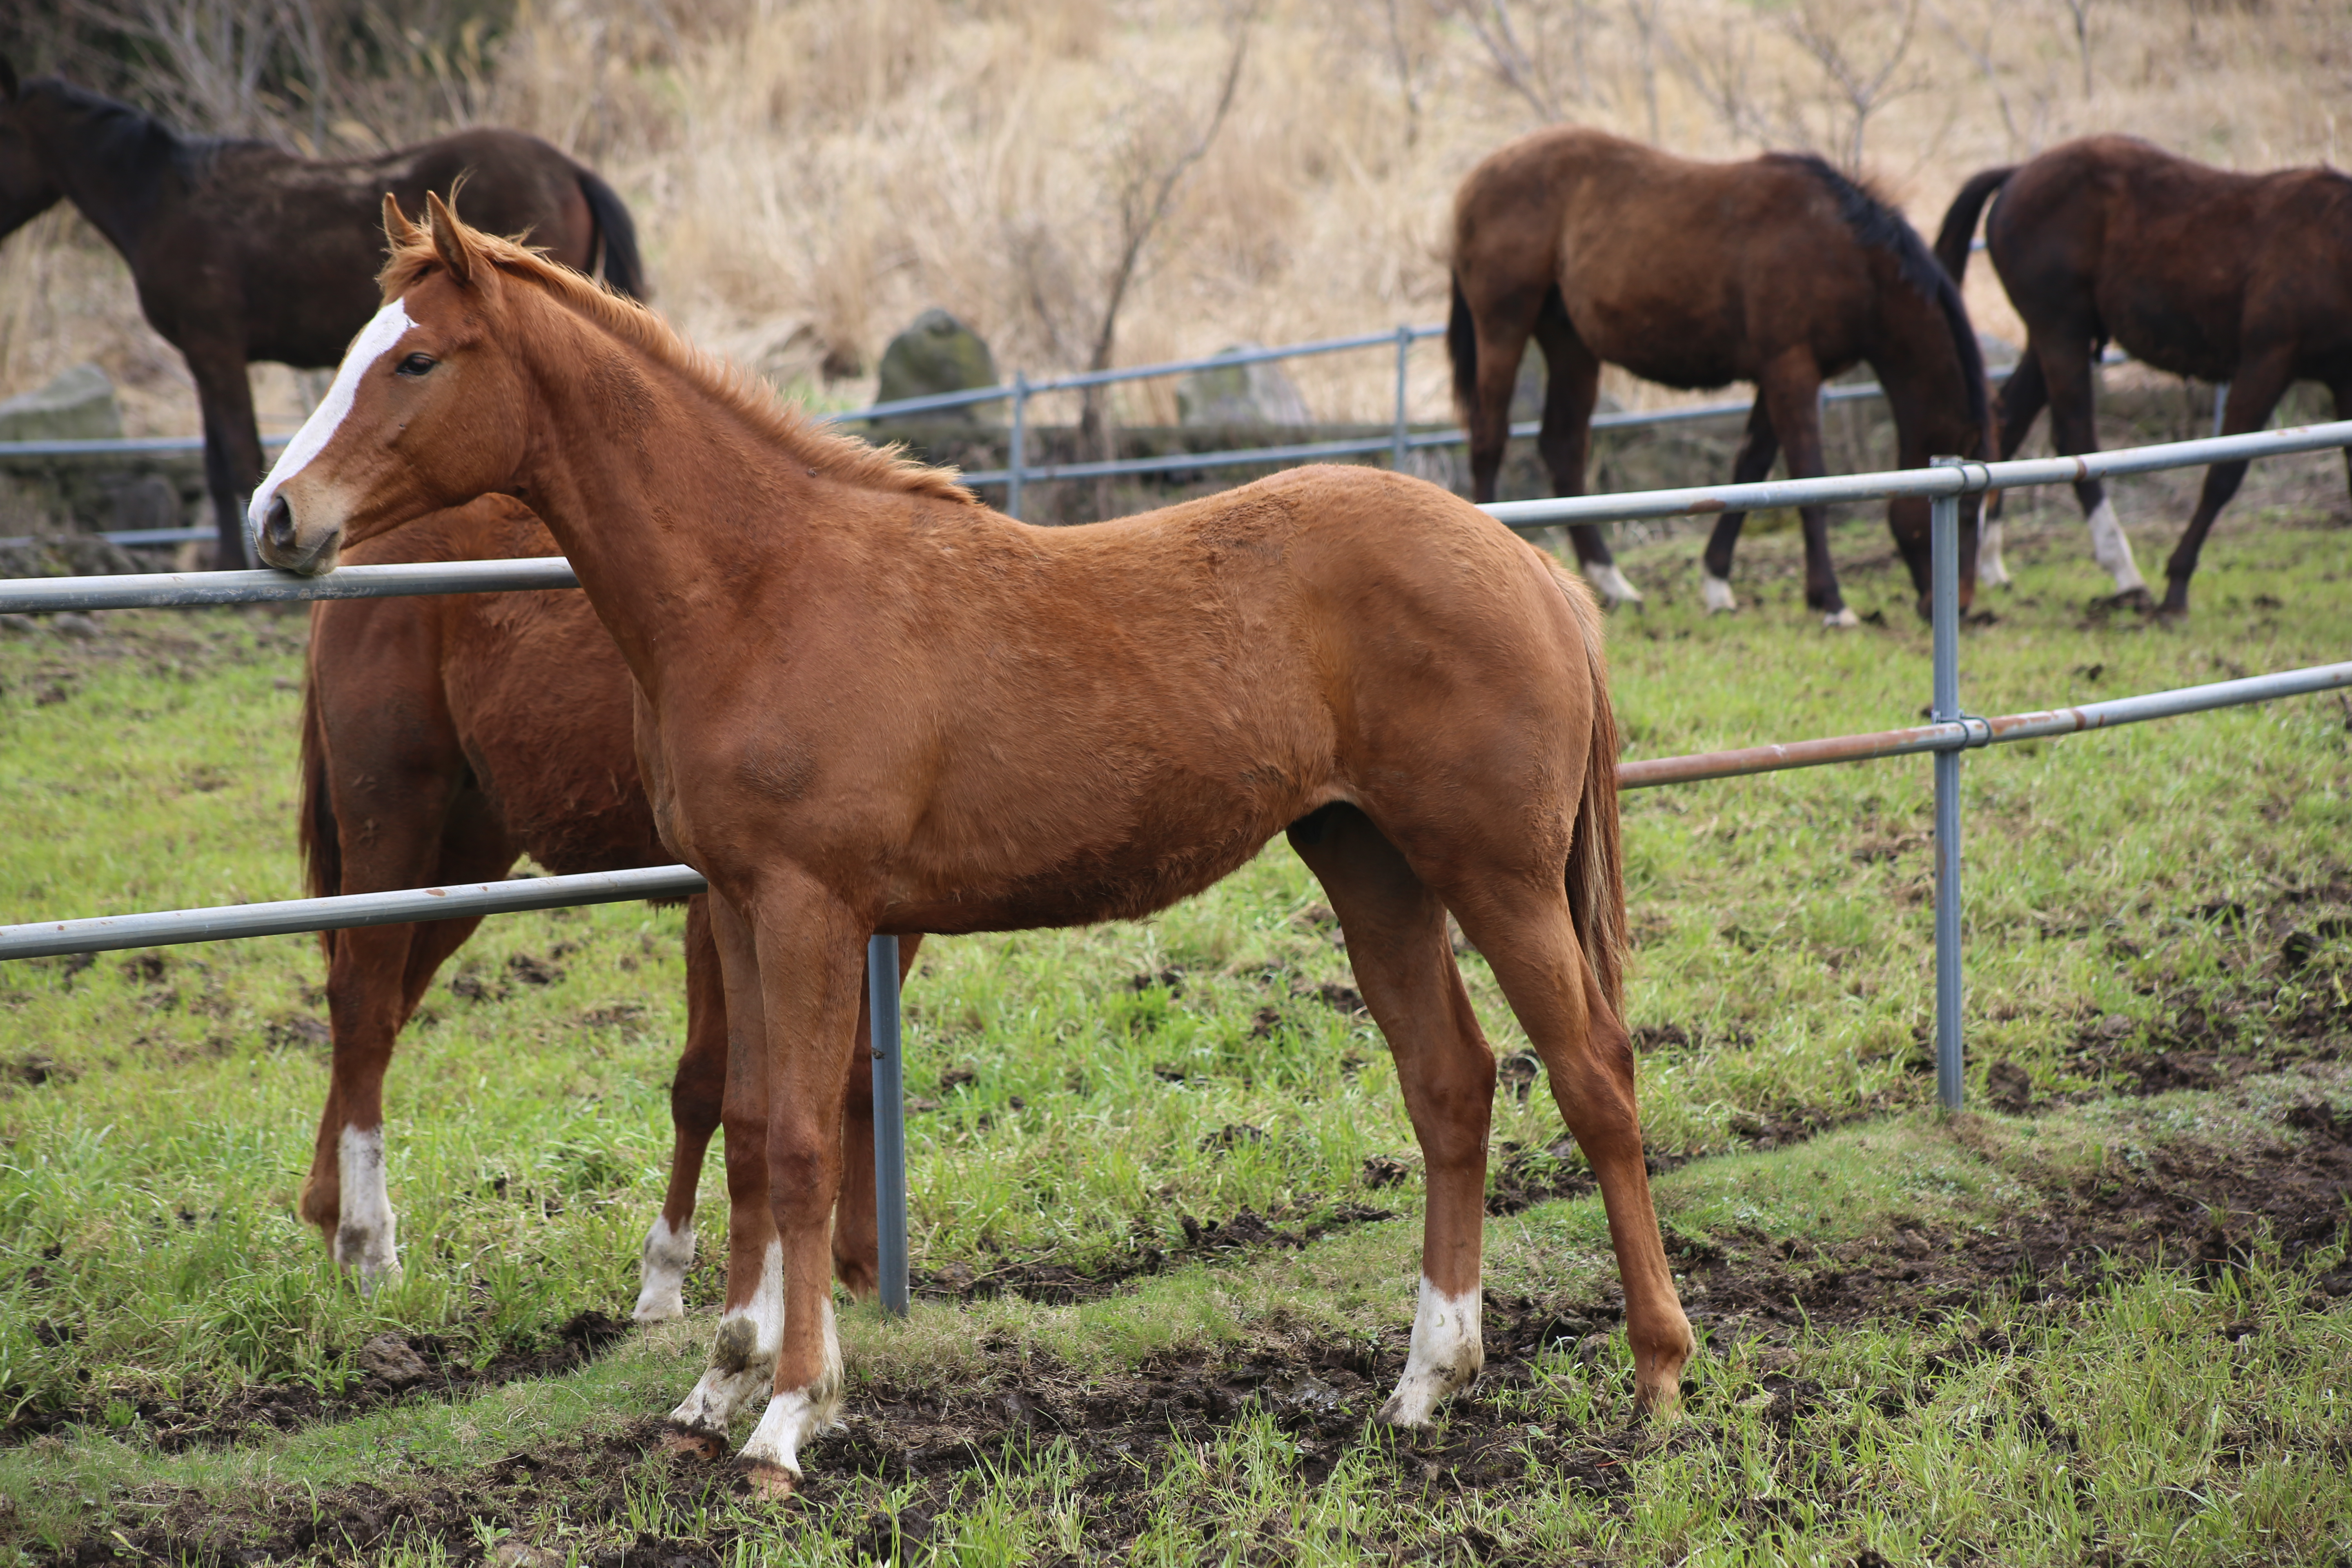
pixel 442 740
pixel 242 252
pixel 1779 270
pixel 866 702
pixel 2243 279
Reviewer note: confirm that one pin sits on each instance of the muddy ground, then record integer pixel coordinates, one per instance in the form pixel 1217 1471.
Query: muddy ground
pixel 2288 1193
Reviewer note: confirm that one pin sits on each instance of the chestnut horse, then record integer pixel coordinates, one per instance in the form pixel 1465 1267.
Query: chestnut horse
pixel 2243 279
pixel 1779 270
pixel 443 738
pixel 243 252
pixel 868 702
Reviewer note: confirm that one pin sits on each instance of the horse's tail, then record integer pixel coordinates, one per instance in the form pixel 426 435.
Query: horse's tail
pixel 616 237
pixel 1596 860
pixel 1959 230
pixel 321 838
pixel 1462 348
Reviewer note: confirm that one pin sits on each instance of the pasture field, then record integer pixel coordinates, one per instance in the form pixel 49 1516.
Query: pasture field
pixel 1165 1196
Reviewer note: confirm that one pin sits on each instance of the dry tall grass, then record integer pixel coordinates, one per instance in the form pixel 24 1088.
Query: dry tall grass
pixel 809 176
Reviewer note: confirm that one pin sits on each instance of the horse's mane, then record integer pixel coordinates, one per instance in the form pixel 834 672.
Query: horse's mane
pixel 843 456
pixel 1875 224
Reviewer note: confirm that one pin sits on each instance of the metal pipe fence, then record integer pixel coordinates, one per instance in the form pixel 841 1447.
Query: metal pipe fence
pixel 1951 731
pixel 1019 472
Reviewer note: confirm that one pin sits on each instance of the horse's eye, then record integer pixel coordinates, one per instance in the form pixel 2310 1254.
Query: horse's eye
pixel 416 364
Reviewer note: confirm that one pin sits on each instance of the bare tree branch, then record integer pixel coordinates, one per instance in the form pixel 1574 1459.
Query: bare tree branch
pixel 1491 21
pixel 2079 13
pixel 1865 88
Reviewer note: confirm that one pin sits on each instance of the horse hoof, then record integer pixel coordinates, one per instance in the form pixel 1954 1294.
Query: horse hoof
pixel 1840 620
pixel 684 1442
pixel 1717 592
pixel 1614 587
pixel 769 1483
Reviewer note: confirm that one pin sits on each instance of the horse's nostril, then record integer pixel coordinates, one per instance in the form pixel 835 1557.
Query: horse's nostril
pixel 278 525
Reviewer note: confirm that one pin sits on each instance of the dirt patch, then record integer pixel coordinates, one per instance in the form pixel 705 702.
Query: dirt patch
pixel 926 1440
pixel 408 1367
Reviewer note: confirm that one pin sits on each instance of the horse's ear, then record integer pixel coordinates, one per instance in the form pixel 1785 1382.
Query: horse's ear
pixel 396 226
pixel 450 240
pixel 7 80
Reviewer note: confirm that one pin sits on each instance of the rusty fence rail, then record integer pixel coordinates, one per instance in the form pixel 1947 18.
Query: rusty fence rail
pixel 1947 484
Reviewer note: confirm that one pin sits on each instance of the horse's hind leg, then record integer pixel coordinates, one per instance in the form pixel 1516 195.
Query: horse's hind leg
pixel 697 1096
pixel 2074 430
pixel 1758 447
pixel 1397 943
pixel 1572 389
pixel 2254 390
pixel 1529 940
pixel 1500 326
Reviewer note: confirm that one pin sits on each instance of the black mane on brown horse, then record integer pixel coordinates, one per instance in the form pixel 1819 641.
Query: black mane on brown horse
pixel 242 251
pixel 1779 270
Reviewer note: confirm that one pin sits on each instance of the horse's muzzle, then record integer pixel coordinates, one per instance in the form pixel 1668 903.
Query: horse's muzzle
pixel 278 543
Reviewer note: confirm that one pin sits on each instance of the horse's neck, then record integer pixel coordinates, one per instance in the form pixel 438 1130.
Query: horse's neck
pixel 1921 372
pixel 653 502
pixel 116 175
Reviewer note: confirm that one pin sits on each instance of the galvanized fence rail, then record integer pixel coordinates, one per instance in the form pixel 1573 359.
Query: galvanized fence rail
pixel 1400 443
pixel 1951 731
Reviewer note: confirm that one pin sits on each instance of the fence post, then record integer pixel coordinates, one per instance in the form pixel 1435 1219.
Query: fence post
pixel 1944 563
pixel 1404 351
pixel 889 1119
pixel 1017 455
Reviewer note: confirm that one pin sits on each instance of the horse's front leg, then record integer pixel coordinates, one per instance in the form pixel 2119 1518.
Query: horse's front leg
pixel 751 1322
pixel 232 443
pixel 812 950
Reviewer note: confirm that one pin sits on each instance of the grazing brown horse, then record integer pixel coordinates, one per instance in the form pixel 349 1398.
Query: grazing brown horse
pixel 443 738
pixel 242 252
pixel 868 702
pixel 1779 270
pixel 2243 279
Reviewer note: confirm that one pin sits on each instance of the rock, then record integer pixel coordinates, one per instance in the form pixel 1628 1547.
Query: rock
pixel 1259 393
pixel 937 354
pixel 65 555
pixel 513 1553
pixel 148 502
pixel 78 405
pixel 74 624
pixel 389 1357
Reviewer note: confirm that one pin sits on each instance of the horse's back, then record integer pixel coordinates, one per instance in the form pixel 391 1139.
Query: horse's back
pixel 2184 265
pixel 1689 273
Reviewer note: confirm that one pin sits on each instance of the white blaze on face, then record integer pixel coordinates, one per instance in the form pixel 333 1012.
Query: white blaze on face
pixel 743 1353
pixel 364 1237
pixel 2111 549
pixel 1447 1351
pixel 375 340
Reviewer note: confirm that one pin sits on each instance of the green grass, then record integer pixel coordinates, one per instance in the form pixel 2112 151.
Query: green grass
pixel 157 1111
